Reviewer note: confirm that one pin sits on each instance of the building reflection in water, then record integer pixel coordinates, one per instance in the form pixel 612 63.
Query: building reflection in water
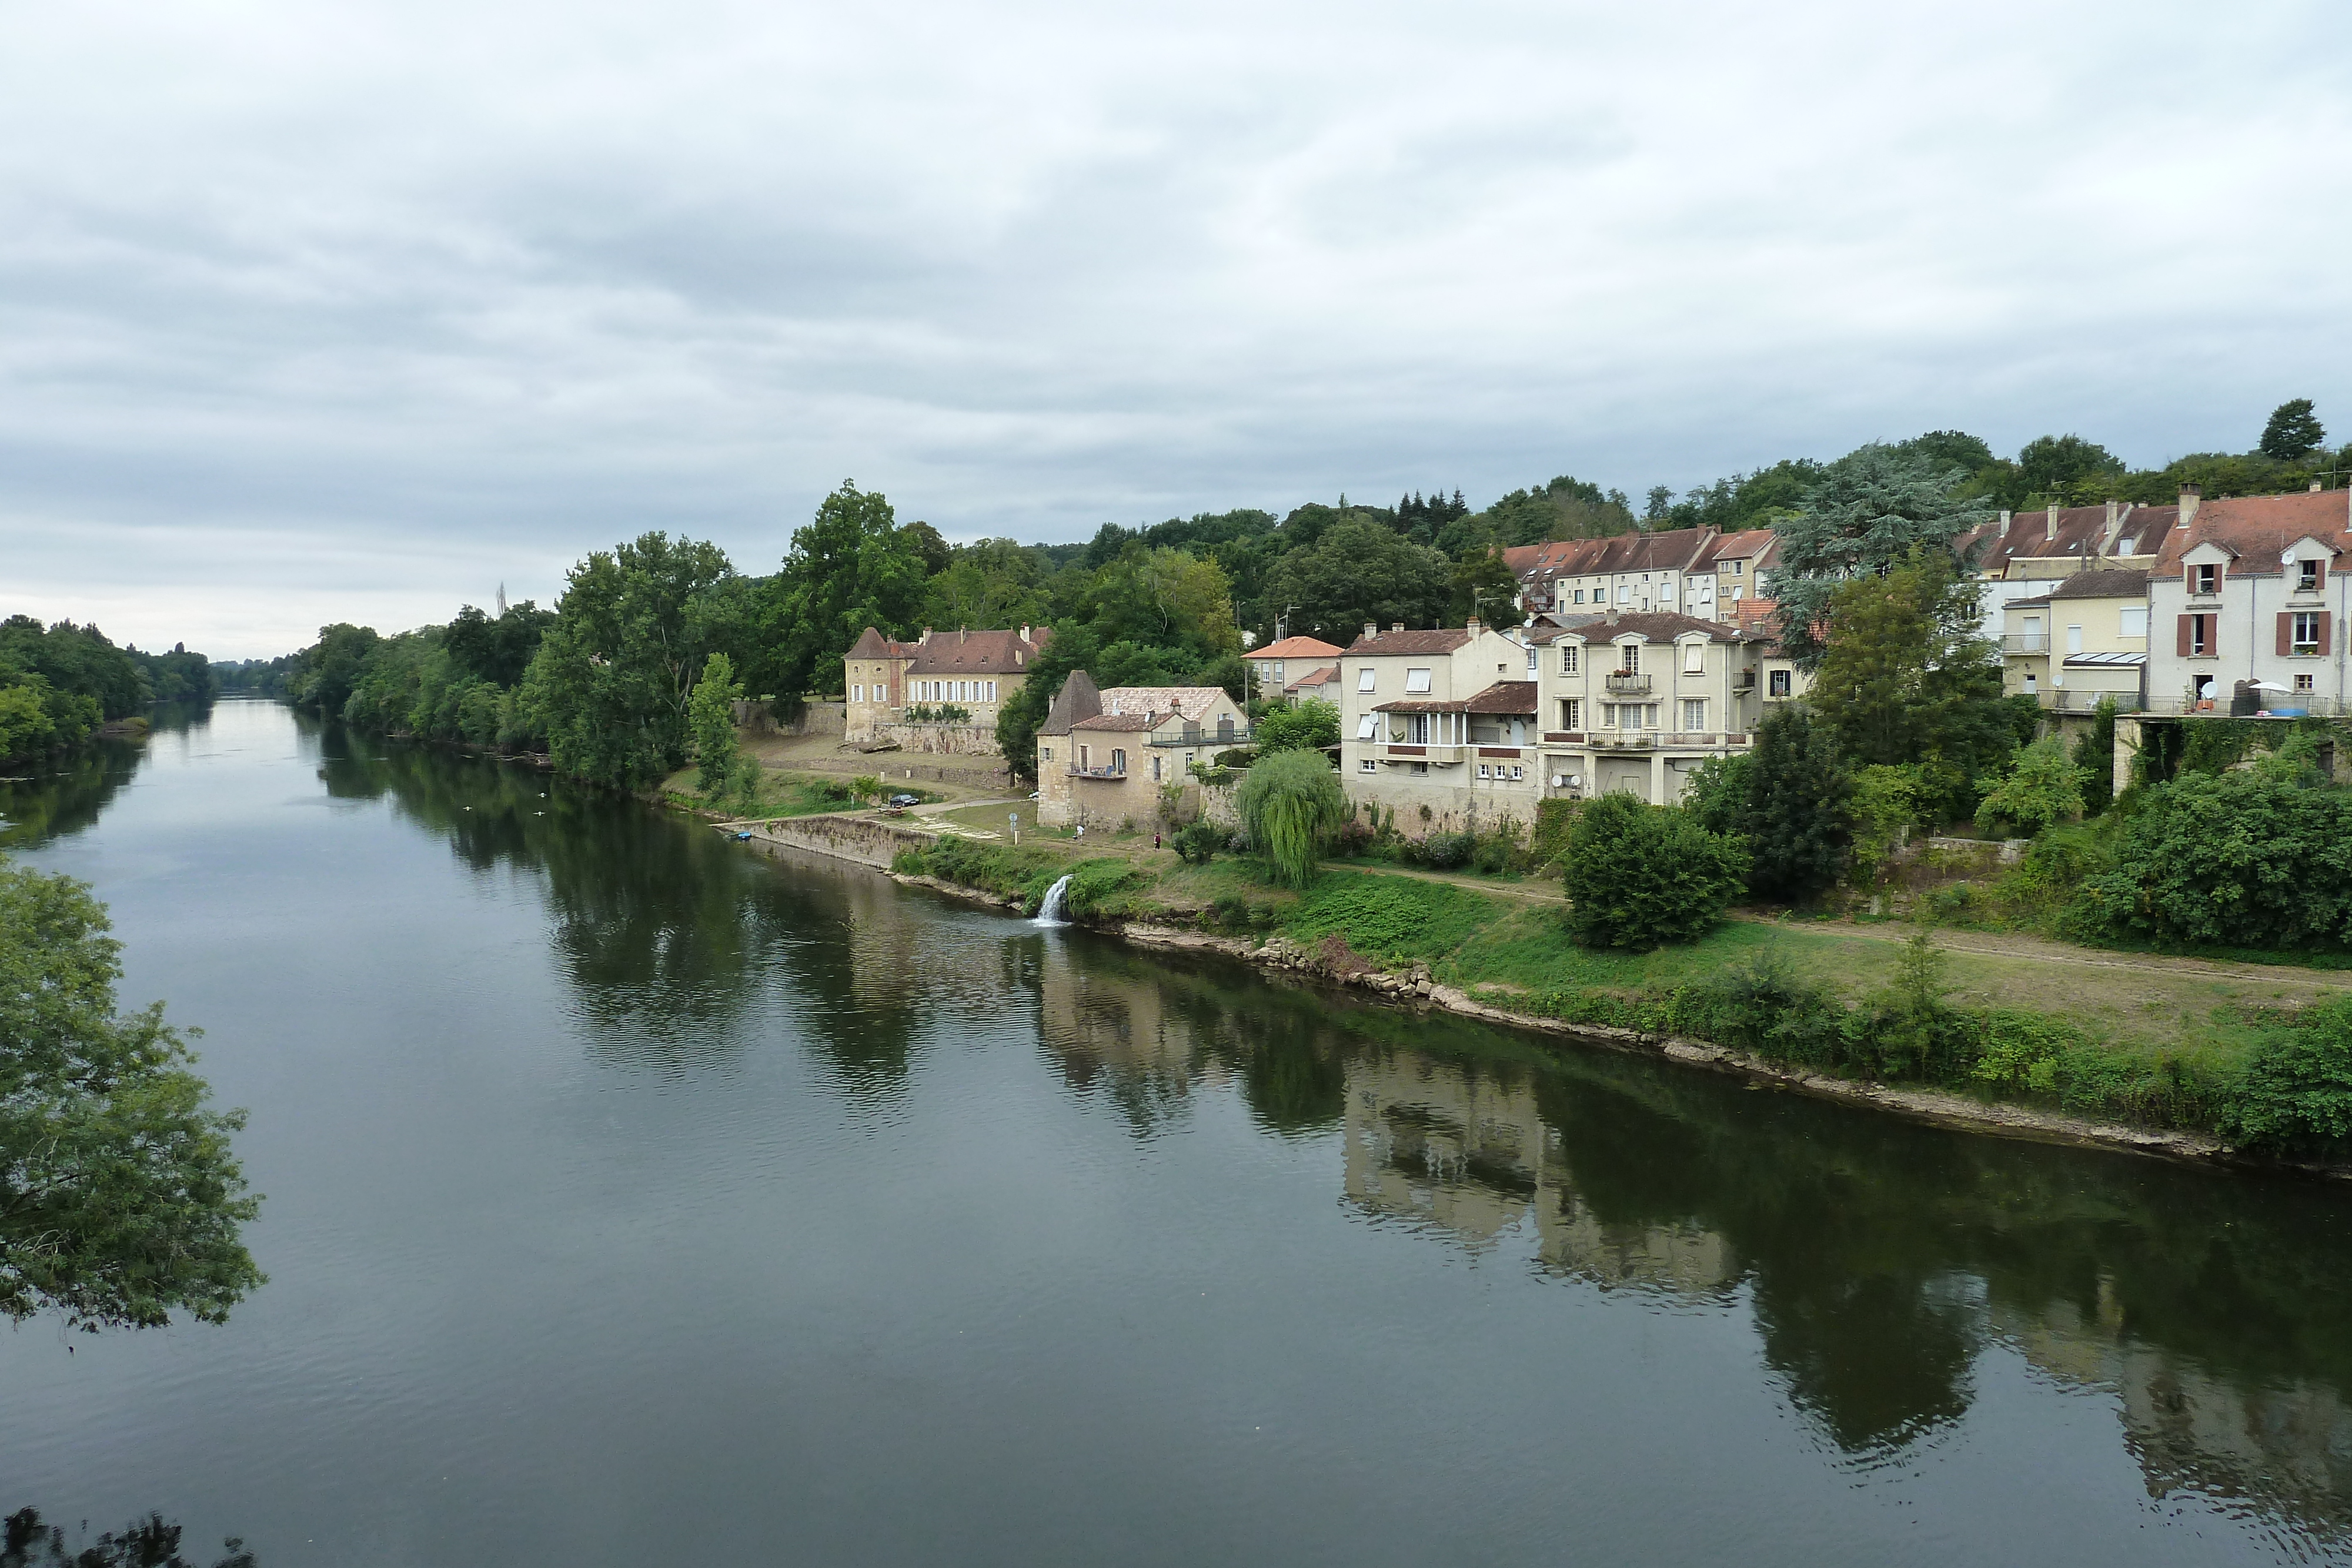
pixel 1879 1262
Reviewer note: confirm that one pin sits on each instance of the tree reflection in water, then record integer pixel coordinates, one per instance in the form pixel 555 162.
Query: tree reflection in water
pixel 1880 1261
pixel 27 1543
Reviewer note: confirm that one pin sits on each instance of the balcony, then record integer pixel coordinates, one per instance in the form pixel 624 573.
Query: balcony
pixel 1195 735
pixel 1112 773
pixel 1624 683
pixel 1624 741
pixel 1744 681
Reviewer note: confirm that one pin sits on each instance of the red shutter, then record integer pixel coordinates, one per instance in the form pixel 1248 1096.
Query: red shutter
pixel 2327 629
pixel 2185 622
pixel 2286 632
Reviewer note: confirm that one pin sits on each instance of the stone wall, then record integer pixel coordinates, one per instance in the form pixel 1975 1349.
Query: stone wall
pixel 755 716
pixel 974 739
pixel 869 841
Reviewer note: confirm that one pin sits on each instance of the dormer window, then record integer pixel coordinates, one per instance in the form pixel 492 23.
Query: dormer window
pixel 2127 547
pixel 2306 577
pixel 1567 662
pixel 2206 579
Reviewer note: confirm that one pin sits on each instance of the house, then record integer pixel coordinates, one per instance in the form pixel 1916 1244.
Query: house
pixel 1104 756
pixel 1323 682
pixel 1731 573
pixel 2026 554
pixel 1632 704
pixel 2085 640
pixel 1693 571
pixel 1440 726
pixel 2251 589
pixel 1277 664
pixel 977 672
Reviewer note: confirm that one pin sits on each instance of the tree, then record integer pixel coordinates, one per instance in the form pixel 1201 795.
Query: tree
pixel 2094 753
pixel 332 667
pixel 1637 876
pixel 119 1198
pixel 497 650
pixel 2237 860
pixel 711 713
pixel 1356 572
pixel 1072 647
pixel 851 567
pixel 1310 725
pixel 1164 598
pixel 1290 805
pixel 2054 467
pixel 616 669
pixel 1871 509
pixel 994 583
pixel 1794 812
pixel 25 727
pixel 2293 432
pixel 1485 587
pixel 2042 787
pixel 1905 677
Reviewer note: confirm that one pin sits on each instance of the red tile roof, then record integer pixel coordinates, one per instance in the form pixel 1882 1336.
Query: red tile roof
pixel 1443 640
pixel 1318 677
pixel 2257 529
pixel 1655 626
pixel 1674 550
pixel 974 652
pixel 1294 648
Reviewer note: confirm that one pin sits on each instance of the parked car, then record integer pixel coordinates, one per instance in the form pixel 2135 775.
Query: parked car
pixel 901 801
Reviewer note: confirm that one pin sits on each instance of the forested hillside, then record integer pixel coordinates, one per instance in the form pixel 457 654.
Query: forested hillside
pixel 59 684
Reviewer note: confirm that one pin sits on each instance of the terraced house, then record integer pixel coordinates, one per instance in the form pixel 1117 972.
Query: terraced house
pixel 2251 589
pixel 1440 726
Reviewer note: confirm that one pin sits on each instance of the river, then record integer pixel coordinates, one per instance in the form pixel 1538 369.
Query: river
pixel 634 1198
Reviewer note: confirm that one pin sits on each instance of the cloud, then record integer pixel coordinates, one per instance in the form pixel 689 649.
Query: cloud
pixel 313 313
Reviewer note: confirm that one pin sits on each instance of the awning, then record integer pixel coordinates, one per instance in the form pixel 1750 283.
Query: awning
pixel 2095 661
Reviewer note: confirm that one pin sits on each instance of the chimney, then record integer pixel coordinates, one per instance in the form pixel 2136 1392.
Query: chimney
pixel 2314 486
pixel 1611 612
pixel 1471 625
pixel 963 633
pixel 2050 530
pixel 1025 632
pixel 2004 521
pixel 1396 626
pixel 2190 495
pixel 1371 630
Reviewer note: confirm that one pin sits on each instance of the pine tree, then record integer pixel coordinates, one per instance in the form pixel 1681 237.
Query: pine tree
pixel 1795 813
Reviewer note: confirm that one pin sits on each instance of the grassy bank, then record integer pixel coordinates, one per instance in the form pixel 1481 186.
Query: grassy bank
pixel 2154 1043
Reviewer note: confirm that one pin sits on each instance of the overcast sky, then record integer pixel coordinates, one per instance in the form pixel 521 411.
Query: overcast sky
pixel 352 310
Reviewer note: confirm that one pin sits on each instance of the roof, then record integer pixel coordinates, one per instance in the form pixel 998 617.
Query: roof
pixel 1654 626
pixel 1323 676
pixel 1294 648
pixel 1191 703
pixel 1115 721
pixel 2082 534
pixel 1076 701
pixel 1444 639
pixel 2110 582
pixel 872 644
pixel 2080 661
pixel 1677 549
pixel 966 653
pixel 1747 544
pixel 1504 697
pixel 2256 529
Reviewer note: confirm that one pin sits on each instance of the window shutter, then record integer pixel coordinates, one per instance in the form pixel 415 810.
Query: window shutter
pixel 2326 632
pixel 2185 622
pixel 2286 632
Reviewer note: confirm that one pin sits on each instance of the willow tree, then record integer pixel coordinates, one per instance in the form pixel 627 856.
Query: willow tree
pixel 1291 804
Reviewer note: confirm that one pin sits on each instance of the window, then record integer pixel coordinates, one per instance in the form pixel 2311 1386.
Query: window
pixel 1416 681
pixel 1364 679
pixel 2128 546
pixel 1086 757
pixel 1044 754
pixel 1629 659
pixel 1481 770
pixel 1625 593
pixel 2197 631
pixel 1736 567
pixel 1777 683
pixel 2306 576
pixel 1421 768
pixel 2303 684
pixel 1416 729
pixel 1628 716
pixel 857 694
pixel 1532 656
pixel 1367 728
pixel 1579 596
pixel 1517 771
pixel 1118 760
pixel 1694 658
pixel 1367 766
pixel 992 691
pixel 1568 706
pixel 1694 715
pixel 2074 639
pixel 1155 771
pixel 2303 628
pixel 2133 622
pixel 1567 658
pixel 2208 579
pixel 1666 591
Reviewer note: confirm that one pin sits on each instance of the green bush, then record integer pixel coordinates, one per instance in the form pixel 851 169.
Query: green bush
pixel 1310 726
pixel 2239 859
pixel 1197 843
pixel 1444 851
pixel 2296 1094
pixel 1793 809
pixel 2042 789
pixel 1554 817
pixel 1638 875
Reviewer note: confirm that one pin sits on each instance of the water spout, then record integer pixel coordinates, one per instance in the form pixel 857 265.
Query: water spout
pixel 1050 912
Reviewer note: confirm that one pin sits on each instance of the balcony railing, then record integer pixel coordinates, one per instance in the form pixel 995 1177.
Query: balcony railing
pixel 1078 772
pixel 1744 681
pixel 1626 683
pixel 1194 734
pixel 2025 643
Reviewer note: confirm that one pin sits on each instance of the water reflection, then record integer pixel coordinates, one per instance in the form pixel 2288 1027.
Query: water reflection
pixel 152 1542
pixel 59 796
pixel 1878 1262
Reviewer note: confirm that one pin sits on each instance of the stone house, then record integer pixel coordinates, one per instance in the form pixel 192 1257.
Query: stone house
pixel 2252 589
pixel 1276 667
pixel 2084 640
pixel 1440 721
pixel 975 670
pixel 1104 756
pixel 1632 704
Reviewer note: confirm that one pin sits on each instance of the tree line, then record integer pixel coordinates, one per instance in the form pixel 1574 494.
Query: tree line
pixel 59 684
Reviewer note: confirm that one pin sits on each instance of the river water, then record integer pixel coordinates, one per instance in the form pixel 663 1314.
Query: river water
pixel 634 1198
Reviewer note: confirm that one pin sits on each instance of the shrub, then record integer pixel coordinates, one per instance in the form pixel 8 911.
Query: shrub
pixel 2094 753
pixel 1445 851
pixel 1638 875
pixel 2296 1095
pixel 1197 843
pixel 1887 801
pixel 2040 790
pixel 2236 859
pixel 1795 813
pixel 1310 726
pixel 1290 805
pixel 1554 817
pixel 865 786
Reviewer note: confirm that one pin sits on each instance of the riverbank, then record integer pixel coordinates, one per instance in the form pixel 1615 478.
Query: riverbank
pixel 2142 1056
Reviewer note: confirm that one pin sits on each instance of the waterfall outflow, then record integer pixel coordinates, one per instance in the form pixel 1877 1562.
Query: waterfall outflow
pixel 1050 912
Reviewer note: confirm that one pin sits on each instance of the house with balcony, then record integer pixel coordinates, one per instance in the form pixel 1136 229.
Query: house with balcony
pixel 1632 704
pixel 976 672
pixel 2084 641
pixel 2251 593
pixel 1278 666
pixel 2026 555
pixel 1440 722
pixel 1104 755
